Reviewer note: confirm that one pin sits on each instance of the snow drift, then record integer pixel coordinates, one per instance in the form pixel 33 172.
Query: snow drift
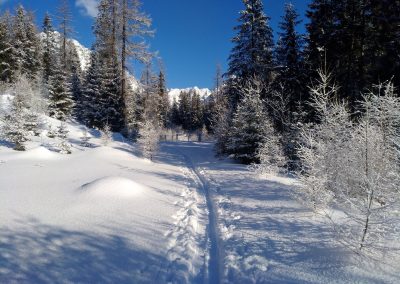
pixel 113 187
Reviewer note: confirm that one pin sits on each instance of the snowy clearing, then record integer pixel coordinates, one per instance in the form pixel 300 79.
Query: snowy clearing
pixel 103 214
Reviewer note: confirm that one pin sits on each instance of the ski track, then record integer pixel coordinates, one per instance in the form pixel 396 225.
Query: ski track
pixel 215 263
pixel 185 245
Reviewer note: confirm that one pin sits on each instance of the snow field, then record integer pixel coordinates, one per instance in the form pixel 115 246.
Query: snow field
pixel 99 215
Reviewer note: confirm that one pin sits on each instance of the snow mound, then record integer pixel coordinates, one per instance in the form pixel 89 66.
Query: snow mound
pixel 38 153
pixel 113 187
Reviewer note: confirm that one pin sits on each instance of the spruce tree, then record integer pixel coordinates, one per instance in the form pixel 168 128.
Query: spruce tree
pixel 60 96
pixel 6 60
pixel 32 60
pixel 249 130
pixel 49 50
pixel 196 113
pixel 91 93
pixel 290 61
pixel 163 99
pixel 252 54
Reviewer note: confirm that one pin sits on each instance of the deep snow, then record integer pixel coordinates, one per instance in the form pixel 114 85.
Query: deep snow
pixel 105 215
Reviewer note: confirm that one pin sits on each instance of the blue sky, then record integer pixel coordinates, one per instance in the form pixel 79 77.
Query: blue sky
pixel 192 36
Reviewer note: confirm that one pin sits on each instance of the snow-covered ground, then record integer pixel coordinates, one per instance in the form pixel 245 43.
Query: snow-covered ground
pixel 105 215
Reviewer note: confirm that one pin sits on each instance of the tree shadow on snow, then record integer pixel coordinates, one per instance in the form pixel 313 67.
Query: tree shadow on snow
pixel 39 253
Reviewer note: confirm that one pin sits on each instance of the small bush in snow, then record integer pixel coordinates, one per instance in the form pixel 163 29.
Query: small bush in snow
pixel 106 134
pixel 62 134
pixel 149 135
pixel 85 138
pixel 51 132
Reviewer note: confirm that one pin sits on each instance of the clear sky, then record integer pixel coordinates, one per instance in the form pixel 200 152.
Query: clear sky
pixel 192 36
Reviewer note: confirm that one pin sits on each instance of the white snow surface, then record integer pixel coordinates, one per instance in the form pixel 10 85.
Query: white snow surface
pixel 105 215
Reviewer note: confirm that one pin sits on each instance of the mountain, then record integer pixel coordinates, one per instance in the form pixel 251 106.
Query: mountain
pixel 174 93
pixel 83 54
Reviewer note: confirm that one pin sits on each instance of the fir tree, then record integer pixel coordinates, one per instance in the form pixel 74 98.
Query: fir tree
pixel 49 50
pixel 196 113
pixel 6 61
pixel 60 96
pixel 163 99
pixel 252 54
pixel 290 61
pixel 249 131
pixel 91 93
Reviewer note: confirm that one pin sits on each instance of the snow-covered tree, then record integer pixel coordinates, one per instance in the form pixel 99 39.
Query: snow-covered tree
pixel 249 129
pixel 91 93
pixel 6 60
pixel 14 129
pixel 354 166
pixel 321 143
pixel 252 54
pixel 106 134
pixel 85 138
pixel 21 119
pixel 290 63
pixel 270 154
pixel 62 134
pixel 50 51
pixel 60 96
pixel 149 135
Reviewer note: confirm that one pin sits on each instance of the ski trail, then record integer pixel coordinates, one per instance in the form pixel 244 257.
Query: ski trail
pixel 215 262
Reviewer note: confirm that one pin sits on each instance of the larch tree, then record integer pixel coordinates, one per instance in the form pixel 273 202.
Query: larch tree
pixel 134 27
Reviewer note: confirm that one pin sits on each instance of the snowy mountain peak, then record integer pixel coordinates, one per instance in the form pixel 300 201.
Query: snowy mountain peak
pixel 203 92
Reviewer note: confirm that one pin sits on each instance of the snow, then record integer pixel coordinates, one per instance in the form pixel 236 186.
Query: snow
pixel 83 54
pixel 113 187
pixel 105 215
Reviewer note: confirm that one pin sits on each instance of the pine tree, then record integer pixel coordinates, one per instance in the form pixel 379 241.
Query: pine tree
pixel 62 134
pixel 14 124
pixel 384 39
pixel 111 103
pixel 196 113
pixel 148 139
pixel 6 61
pixel 91 93
pixel 252 54
pixel 174 114
pixel 19 40
pixel 32 48
pixel 21 119
pixel 163 99
pixel 77 94
pixel 290 61
pixel 50 51
pixel 185 110
pixel 249 131
pixel 60 96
